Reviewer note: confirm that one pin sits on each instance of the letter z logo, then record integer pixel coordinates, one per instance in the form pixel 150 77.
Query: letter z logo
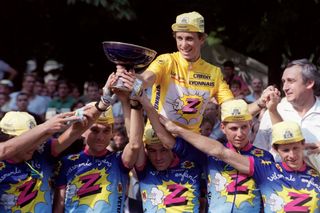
pixel 88 188
pixel 190 108
pixel 298 200
pixel 27 194
pixel 174 198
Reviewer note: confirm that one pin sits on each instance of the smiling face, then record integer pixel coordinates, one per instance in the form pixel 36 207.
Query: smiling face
pixel 160 157
pixel 295 89
pixel 291 154
pixel 189 45
pixel 237 133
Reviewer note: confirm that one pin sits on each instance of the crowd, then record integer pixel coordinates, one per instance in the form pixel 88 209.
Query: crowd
pixel 203 140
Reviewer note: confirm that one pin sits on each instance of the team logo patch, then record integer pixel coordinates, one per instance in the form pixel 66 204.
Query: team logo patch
pixel 2 165
pixel 257 152
pixel 287 134
pixel 74 157
pixel 188 164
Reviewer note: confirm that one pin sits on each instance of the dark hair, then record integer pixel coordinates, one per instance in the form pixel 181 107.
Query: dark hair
pixel 228 64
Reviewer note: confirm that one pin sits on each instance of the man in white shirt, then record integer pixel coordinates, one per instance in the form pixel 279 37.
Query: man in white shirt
pixel 301 83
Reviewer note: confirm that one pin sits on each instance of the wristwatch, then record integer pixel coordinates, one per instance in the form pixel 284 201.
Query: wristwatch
pixel 100 109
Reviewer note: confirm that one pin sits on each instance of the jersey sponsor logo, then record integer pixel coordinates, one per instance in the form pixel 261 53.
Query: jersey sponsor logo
pixel 298 200
pixel 202 76
pixel 171 196
pixel 175 198
pixel 293 200
pixel 190 108
pixel 229 184
pixel 237 185
pixel 23 196
pixel 88 188
pixel 27 193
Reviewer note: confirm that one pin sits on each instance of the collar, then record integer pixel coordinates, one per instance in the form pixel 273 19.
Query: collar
pixel 102 153
pixel 288 106
pixel 186 63
pixel 246 148
pixel 288 169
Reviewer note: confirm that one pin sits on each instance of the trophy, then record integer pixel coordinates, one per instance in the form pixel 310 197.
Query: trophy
pixel 128 55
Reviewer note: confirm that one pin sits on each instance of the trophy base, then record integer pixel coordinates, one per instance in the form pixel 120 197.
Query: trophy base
pixel 120 87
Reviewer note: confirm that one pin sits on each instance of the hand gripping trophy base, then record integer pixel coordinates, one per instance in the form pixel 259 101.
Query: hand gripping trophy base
pixel 128 55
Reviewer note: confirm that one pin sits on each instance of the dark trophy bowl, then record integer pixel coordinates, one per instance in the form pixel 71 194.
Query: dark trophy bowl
pixel 129 55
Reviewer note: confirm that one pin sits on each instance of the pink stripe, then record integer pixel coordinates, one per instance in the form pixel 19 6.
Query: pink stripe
pixel 251 167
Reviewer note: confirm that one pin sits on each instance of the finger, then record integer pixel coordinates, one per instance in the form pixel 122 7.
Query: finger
pixel 65 114
pixel 310 146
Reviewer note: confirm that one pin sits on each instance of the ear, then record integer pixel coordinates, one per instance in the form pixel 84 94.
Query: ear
pixel 310 84
pixel 223 127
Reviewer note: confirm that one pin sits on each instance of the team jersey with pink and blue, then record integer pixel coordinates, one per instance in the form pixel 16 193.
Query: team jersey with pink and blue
pixel 93 184
pixel 285 190
pixel 231 191
pixel 176 189
pixel 26 186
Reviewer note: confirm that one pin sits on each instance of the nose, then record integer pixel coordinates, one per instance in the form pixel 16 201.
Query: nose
pixel 158 156
pixel 291 154
pixel 284 86
pixel 239 132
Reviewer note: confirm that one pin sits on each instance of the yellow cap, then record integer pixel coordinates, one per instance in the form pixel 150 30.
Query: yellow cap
pixel 16 123
pixel 106 117
pixel 149 136
pixel 286 132
pixel 235 111
pixel 189 22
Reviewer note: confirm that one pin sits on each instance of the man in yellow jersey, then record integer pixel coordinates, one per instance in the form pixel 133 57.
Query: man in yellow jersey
pixel 182 82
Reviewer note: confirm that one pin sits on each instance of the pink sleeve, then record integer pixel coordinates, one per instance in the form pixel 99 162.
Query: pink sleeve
pixel 251 167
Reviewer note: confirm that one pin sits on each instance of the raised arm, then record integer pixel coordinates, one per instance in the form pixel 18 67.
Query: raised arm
pixel 133 153
pixel 91 115
pixel 209 146
pixel 258 105
pixel 165 137
pixel 36 135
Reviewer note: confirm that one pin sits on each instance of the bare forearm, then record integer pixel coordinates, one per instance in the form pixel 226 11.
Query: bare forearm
pixel 214 148
pixel 17 144
pixel 165 137
pixel 131 150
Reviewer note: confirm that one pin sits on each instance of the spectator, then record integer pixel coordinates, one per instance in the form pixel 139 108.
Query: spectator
pixel 51 88
pixel 230 75
pixel 92 92
pixel 6 71
pixel 212 111
pixel 119 139
pixel 235 87
pixel 63 101
pixel 37 104
pixel 22 106
pixel 257 88
pixel 301 81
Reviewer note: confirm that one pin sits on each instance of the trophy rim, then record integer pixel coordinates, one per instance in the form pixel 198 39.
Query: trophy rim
pixel 129 44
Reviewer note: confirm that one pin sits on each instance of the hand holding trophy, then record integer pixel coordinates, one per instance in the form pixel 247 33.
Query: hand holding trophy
pixel 129 55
